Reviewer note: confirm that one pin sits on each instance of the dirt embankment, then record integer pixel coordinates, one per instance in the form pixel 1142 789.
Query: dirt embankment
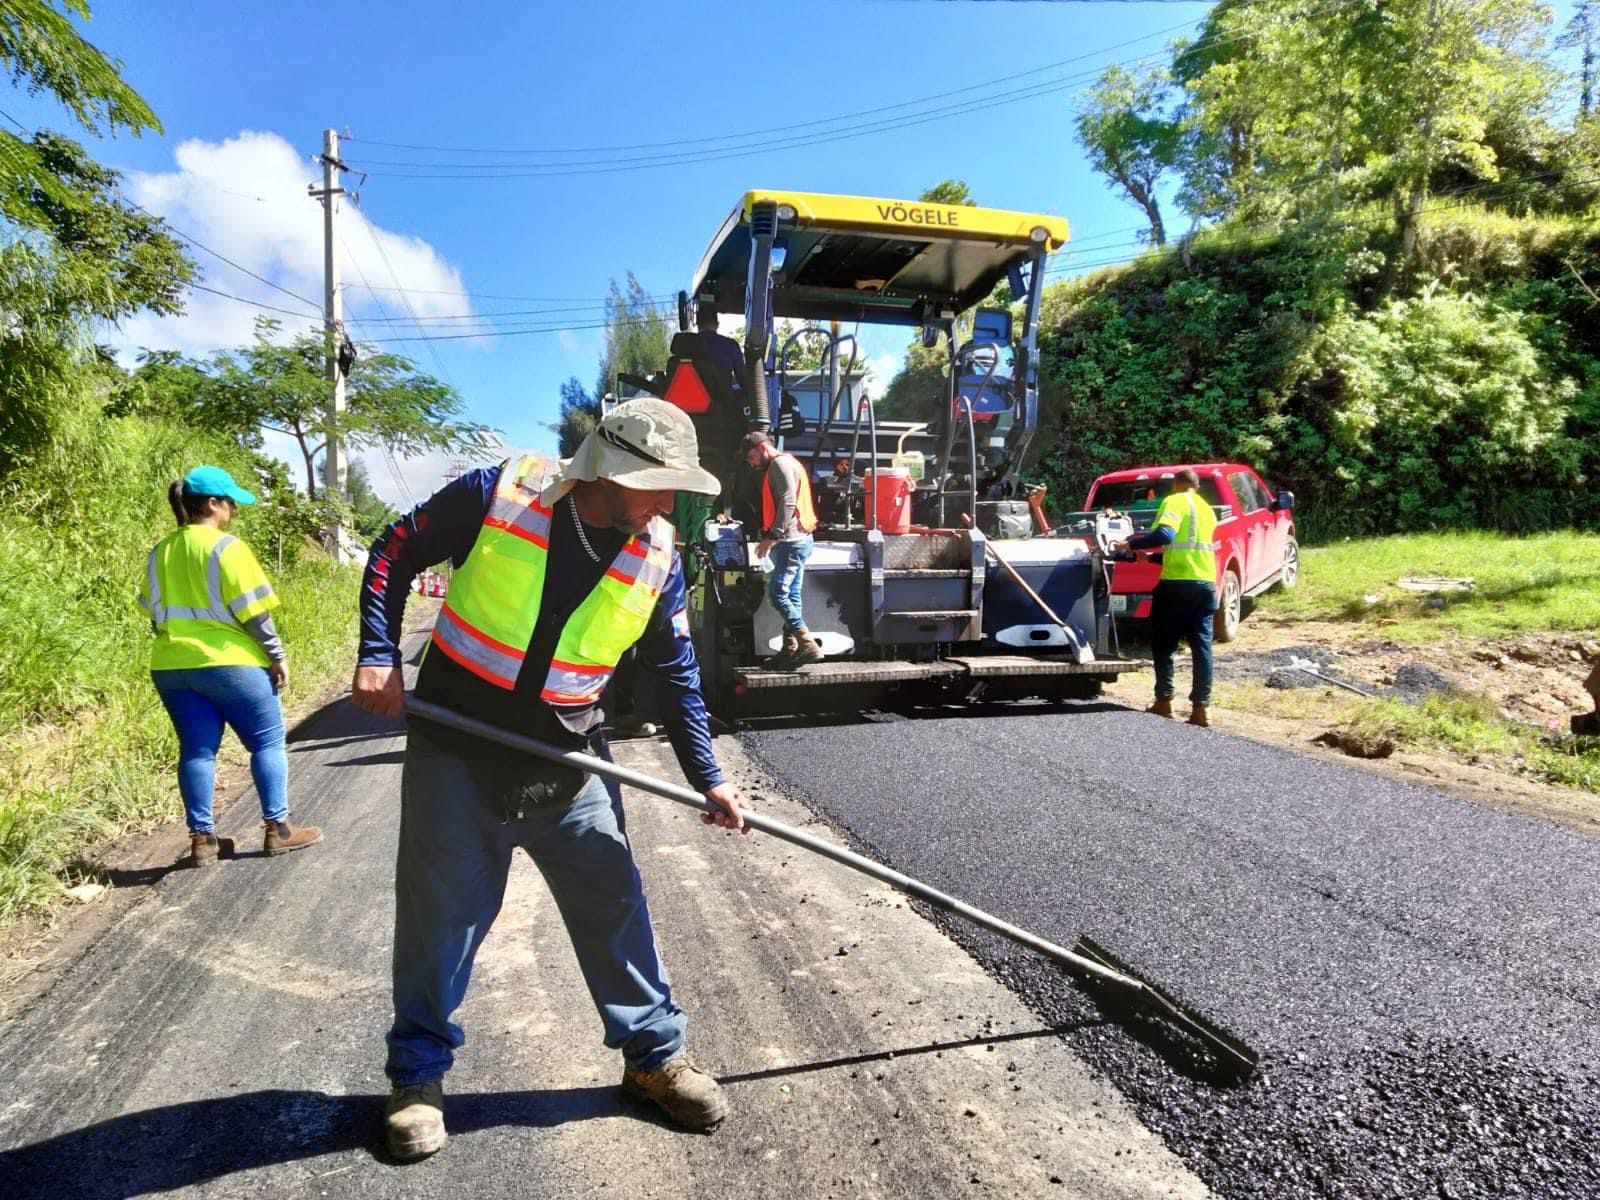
pixel 1534 681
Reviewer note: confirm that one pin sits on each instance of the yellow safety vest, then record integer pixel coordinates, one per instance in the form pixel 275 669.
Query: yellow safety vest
pixel 487 623
pixel 200 586
pixel 1192 554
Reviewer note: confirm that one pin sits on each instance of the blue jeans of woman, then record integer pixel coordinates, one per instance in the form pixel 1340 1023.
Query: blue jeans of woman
pixel 461 819
pixel 201 701
pixel 1180 611
pixel 788 573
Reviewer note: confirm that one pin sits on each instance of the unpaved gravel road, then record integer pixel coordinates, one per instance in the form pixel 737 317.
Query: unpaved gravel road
pixel 223 1036
pixel 1421 974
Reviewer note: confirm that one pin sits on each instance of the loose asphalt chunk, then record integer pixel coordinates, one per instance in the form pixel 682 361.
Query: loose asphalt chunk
pixel 1421 975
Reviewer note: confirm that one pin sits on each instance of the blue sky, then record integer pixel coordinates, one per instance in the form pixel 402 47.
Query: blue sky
pixel 244 92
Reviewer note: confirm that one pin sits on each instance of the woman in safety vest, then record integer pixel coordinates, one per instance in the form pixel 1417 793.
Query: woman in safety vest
pixel 217 658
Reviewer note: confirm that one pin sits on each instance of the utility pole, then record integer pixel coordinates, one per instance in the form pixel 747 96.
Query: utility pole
pixel 333 317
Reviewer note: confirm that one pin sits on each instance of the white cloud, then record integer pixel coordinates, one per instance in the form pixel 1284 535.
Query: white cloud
pixel 245 198
pixel 881 368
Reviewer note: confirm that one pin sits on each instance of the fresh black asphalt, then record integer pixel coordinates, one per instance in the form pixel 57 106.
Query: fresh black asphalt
pixel 1420 975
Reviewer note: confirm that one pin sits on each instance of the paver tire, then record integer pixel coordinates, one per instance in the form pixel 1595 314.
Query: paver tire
pixel 1230 607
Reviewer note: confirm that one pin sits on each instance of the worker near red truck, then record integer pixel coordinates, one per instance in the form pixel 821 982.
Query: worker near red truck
pixel 560 568
pixel 1183 602
pixel 788 516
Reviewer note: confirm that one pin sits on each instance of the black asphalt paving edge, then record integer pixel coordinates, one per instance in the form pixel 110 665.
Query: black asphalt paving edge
pixel 1425 1117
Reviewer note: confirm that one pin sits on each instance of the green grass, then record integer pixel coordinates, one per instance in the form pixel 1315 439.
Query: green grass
pixel 95 771
pixel 86 750
pixel 1544 582
pixel 1473 726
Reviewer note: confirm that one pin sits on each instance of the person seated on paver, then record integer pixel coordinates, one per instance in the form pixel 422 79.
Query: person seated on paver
pixel 560 569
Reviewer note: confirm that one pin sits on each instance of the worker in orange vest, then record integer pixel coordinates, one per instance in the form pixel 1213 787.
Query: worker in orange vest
pixel 787 518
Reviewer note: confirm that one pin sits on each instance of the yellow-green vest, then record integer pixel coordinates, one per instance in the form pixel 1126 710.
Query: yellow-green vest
pixel 487 623
pixel 1192 554
pixel 200 586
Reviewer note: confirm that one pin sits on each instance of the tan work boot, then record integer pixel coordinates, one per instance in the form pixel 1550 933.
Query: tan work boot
pixel 682 1090
pixel 806 650
pixel 1198 716
pixel 413 1124
pixel 784 658
pixel 1161 708
pixel 283 837
pixel 203 849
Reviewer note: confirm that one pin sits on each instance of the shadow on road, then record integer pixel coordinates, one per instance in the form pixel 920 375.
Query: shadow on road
pixel 182 1145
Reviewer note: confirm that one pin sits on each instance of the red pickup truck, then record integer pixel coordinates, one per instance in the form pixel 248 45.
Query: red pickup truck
pixel 1256 545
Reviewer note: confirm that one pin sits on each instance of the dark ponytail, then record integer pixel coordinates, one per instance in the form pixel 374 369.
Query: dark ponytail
pixel 185 507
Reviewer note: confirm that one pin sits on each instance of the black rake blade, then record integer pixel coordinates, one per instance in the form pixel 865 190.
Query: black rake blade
pixel 1192 1043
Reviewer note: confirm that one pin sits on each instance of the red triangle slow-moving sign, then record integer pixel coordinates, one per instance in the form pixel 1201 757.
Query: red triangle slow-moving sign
pixel 685 389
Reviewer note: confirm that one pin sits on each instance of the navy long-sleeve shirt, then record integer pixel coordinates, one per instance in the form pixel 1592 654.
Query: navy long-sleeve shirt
pixel 1152 539
pixel 446 526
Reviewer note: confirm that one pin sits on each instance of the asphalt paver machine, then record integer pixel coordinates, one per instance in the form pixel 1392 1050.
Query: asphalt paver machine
pixel 928 579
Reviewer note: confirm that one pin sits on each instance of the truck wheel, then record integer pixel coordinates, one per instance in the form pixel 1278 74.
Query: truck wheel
pixel 1230 607
pixel 1291 566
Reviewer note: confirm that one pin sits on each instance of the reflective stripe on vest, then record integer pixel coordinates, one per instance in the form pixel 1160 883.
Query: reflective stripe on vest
pixel 216 610
pixel 1187 557
pixel 487 623
pixel 805 513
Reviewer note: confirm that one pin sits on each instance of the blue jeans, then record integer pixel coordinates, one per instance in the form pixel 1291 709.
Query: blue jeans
pixel 1180 611
pixel 788 572
pixel 200 701
pixel 460 821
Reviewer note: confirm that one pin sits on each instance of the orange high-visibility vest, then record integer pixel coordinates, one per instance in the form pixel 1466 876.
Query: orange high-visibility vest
pixel 805 513
pixel 487 623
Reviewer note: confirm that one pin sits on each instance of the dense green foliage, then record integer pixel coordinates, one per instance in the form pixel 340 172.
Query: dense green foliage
pixel 86 453
pixel 1473 403
pixel 87 750
pixel 1389 298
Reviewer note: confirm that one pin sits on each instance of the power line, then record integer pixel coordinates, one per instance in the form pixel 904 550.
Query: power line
pixel 199 245
pixel 755 133
pixel 288 312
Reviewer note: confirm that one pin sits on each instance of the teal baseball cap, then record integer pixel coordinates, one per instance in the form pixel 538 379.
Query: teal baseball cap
pixel 214 481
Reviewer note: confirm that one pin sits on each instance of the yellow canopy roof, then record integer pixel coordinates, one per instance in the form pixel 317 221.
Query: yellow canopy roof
pixel 864 258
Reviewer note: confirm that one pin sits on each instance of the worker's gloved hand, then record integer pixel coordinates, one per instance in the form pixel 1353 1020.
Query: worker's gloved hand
pixel 379 690
pixel 732 814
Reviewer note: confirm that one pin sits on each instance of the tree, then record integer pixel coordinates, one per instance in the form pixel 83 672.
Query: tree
pixel 638 335
pixel 579 414
pixel 42 52
pixel 1131 140
pixel 281 386
pixel 949 191
pixel 371 512
pixel 71 250
pixel 1582 32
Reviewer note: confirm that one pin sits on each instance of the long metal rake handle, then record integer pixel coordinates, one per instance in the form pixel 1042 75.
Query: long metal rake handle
pixel 692 799
pixel 1236 1059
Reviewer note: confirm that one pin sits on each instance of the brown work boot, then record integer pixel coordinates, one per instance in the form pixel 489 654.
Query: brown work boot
pixel 806 650
pixel 784 658
pixel 283 837
pixel 413 1124
pixel 203 849
pixel 1198 716
pixel 682 1090
pixel 1161 708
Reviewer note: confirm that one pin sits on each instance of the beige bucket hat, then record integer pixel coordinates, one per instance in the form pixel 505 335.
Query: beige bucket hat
pixel 645 444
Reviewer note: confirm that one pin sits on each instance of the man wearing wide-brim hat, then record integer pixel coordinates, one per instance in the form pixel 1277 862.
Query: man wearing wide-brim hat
pixel 560 568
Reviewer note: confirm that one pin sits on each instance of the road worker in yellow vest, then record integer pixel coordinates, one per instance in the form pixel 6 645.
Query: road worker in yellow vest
pixel 1184 600
pixel 559 569
pixel 217 659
